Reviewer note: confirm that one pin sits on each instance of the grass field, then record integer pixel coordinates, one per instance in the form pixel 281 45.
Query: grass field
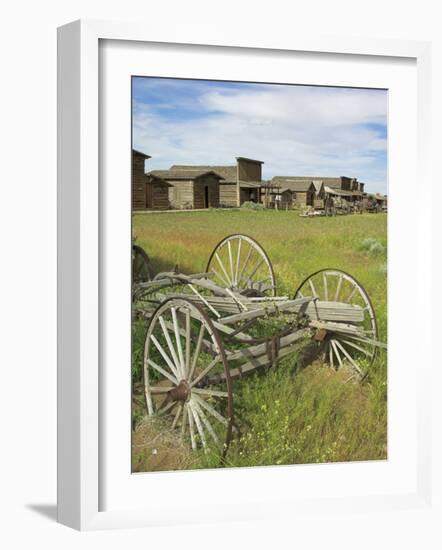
pixel 290 414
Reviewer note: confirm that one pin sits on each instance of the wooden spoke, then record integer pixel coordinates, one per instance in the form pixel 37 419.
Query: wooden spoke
pixel 177 416
pixel 210 409
pixel 165 357
pixel 201 297
pixel 238 257
pixel 223 268
pixel 330 353
pixel 162 371
pixel 365 340
pixel 347 355
pixel 324 277
pixel 335 349
pixel 359 348
pixel 188 342
pixel 211 393
pixel 171 347
pixel 181 364
pixel 338 288
pixel 206 423
pixel 226 283
pixel 205 371
pixel 229 246
pixel 149 403
pixel 197 351
pixel 312 286
pixel 255 269
pixel 184 420
pixel 160 389
pixel 199 426
pixel 191 427
pixel 353 292
pixel 249 254
pixel 167 407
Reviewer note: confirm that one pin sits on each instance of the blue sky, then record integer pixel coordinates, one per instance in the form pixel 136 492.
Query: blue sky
pixel 295 130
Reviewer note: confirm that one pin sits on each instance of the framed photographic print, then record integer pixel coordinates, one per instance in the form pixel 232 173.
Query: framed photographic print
pixel 232 267
pixel 298 347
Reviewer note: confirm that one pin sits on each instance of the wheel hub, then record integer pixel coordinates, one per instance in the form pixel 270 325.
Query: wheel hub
pixel 181 392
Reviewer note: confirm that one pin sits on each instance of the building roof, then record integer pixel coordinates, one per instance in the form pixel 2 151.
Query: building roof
pixel 294 184
pixel 151 178
pixel 139 153
pixel 228 173
pixel 183 174
pixel 250 184
pixel 318 185
pixel 338 192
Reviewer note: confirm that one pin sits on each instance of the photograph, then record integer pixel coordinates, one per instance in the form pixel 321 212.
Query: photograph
pixel 259 274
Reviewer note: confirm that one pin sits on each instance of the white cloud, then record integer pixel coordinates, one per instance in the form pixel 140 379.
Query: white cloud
pixel 295 130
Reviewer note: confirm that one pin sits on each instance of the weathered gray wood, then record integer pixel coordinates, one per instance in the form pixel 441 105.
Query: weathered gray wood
pixel 254 364
pixel 259 349
pixel 265 309
pixel 350 331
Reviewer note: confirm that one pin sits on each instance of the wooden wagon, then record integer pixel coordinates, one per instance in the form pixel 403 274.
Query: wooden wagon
pixel 206 329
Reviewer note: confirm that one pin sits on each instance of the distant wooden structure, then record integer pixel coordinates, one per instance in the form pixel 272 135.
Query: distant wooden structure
pixel 138 180
pixel 274 196
pixel 190 188
pixel 157 193
pixel 302 190
pixel 319 198
pixel 241 182
pixel 342 186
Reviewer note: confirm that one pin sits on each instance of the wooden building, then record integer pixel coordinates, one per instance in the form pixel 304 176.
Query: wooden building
pixel 241 182
pixel 157 193
pixel 138 180
pixel 190 188
pixel 340 183
pixel 148 193
pixel 348 188
pixel 303 190
pixel 319 198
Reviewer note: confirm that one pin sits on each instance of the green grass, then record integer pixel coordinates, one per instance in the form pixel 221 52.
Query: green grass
pixel 285 415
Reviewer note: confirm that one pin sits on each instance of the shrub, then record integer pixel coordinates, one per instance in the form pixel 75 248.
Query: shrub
pixel 372 247
pixel 249 205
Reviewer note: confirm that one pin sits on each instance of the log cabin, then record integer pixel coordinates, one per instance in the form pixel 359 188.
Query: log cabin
pixel 138 180
pixel 303 190
pixel 241 182
pixel 148 193
pixel 190 188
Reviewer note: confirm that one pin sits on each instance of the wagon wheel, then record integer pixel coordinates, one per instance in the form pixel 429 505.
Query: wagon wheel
pixel 238 262
pixel 182 349
pixel 140 265
pixel 358 351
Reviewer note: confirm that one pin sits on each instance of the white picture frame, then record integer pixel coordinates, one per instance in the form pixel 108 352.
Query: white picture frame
pixel 81 294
